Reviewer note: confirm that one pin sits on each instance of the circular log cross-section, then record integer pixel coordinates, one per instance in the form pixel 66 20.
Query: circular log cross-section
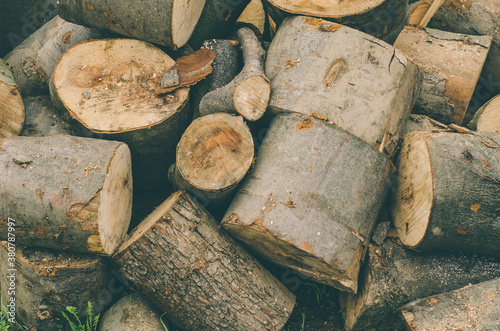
pixel 11 104
pixel 487 118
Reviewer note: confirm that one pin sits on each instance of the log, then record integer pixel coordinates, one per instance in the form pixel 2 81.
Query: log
pixel 447 193
pixel 487 118
pixel 254 16
pixel 473 307
pixel 66 192
pixel 131 313
pixel 315 68
pixel 47 281
pixel 191 269
pixel 12 113
pixel 452 64
pixel 213 155
pixel 168 23
pixel 311 200
pixel 34 60
pixel 248 93
pixel 421 123
pixel 108 88
pixel 393 276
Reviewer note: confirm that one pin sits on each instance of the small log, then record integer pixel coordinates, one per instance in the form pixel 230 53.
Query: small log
pixel 447 193
pixel 254 16
pixel 12 113
pixel 191 269
pixel 473 307
pixel 452 64
pixel 421 123
pixel 66 192
pixel 108 88
pixel 487 118
pixel 315 68
pixel 311 200
pixel 34 60
pixel 248 93
pixel 132 313
pixel 47 281
pixel 394 276
pixel 213 155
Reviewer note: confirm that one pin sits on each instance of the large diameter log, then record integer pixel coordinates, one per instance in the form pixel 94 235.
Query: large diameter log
pixel 452 64
pixel 43 119
pixel 487 118
pixel 66 192
pixel 47 281
pixel 169 23
pixel 180 259
pixel 448 192
pixel 34 60
pixel 311 200
pixel 108 88
pixel 363 85
pixel 12 113
pixel 394 276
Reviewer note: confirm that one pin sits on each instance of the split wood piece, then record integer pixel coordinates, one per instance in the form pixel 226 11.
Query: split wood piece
pixel 194 271
pixel 474 307
pixel 213 155
pixel 108 88
pixel 254 16
pixel 34 60
pixel 315 68
pixel 422 123
pixel 487 118
pixel 47 281
pixel 447 196
pixel 12 113
pixel 66 192
pixel 378 18
pixel 42 119
pixel 131 313
pixel 452 64
pixel 393 276
pixel 168 23
pixel 311 200
pixel 248 93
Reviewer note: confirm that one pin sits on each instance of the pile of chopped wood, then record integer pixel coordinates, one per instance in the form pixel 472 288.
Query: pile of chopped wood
pixel 167 143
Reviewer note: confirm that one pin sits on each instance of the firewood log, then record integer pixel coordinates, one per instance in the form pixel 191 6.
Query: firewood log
pixel 108 87
pixel 12 113
pixel 363 85
pixel 66 192
pixel 487 118
pixel 181 260
pixel 43 119
pixel 311 200
pixel 254 16
pixel 448 192
pixel 452 64
pixel 421 123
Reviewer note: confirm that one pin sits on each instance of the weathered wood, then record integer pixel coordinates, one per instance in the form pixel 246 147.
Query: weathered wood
pixel 66 192
pixel 108 88
pixel 47 281
pixel 452 64
pixel 363 85
pixel 12 113
pixel 180 259
pixel 311 200
pixel 42 118
pixel 448 192
pixel 394 276
pixel 254 16
pixel 487 118
pixel 421 123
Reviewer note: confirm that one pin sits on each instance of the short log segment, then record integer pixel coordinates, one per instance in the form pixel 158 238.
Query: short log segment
pixel 48 281
pixel 180 259
pixel 487 118
pixel 394 276
pixel 66 192
pixel 43 119
pixel 311 200
pixel 108 88
pixel 448 192
pixel 11 104
pixel 452 64
pixel 315 68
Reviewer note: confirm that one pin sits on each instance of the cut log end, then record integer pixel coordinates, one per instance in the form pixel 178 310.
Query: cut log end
pixel 251 97
pixel 325 8
pixel 489 117
pixel 185 16
pixel 11 104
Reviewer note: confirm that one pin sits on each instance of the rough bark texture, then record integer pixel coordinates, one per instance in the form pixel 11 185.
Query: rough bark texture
pixel 394 276
pixel 42 119
pixel 421 123
pixel 181 259
pixel 363 85
pixel 48 281
pixel 487 118
pixel 311 200
pixel 66 192
pixel 12 113
pixel 452 64
pixel 254 16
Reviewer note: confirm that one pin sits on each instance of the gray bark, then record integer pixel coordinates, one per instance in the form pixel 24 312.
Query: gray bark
pixel 421 123
pixel 42 118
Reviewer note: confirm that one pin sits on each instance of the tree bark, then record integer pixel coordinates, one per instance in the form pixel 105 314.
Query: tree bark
pixel 394 276
pixel 315 68
pixel 447 193
pixel 180 259
pixel 421 123
pixel 12 113
pixel 487 118
pixel 311 200
pixel 42 119
pixel 66 192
